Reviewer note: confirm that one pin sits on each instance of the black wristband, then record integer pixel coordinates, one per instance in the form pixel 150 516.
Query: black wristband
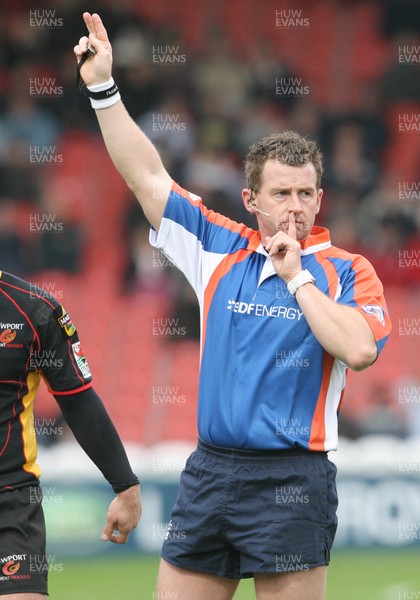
pixel 102 95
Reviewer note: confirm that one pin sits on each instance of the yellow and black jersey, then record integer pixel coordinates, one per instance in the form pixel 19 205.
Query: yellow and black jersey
pixel 37 339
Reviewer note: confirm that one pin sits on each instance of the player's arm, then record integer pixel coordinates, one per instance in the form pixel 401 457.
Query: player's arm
pixel 92 427
pixel 133 154
pixel 341 330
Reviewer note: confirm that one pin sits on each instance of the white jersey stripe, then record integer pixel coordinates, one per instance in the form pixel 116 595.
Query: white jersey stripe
pixel 337 384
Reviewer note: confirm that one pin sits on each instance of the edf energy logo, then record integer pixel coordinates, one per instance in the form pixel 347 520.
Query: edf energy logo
pixel 10 568
pixel 262 310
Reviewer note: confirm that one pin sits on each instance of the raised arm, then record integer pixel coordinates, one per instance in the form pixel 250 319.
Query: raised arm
pixel 133 154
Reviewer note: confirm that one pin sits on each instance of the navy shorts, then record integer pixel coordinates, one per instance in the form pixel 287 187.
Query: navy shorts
pixel 23 564
pixel 242 512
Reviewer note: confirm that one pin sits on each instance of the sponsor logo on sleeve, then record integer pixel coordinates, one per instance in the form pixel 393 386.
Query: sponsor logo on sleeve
pixel 376 311
pixel 81 360
pixel 66 323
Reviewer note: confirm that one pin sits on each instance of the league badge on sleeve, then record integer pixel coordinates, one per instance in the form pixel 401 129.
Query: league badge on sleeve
pixel 377 311
pixel 81 360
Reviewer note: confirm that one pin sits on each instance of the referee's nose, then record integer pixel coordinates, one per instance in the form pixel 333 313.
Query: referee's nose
pixel 294 204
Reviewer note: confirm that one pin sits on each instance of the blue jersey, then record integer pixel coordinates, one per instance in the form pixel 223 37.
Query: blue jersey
pixel 265 381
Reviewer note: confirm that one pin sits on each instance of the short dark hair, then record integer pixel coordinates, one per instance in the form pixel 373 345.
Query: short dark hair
pixel 289 148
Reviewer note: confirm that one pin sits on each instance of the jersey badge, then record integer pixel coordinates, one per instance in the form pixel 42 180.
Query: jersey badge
pixel 377 311
pixel 66 323
pixel 81 360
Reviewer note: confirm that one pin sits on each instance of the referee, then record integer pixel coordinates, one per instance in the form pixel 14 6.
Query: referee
pixel 39 340
pixel 284 314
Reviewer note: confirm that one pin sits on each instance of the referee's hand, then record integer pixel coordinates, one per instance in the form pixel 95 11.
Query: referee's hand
pixel 285 251
pixel 98 67
pixel 124 513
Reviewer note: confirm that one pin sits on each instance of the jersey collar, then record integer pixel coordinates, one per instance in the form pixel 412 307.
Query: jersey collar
pixel 319 239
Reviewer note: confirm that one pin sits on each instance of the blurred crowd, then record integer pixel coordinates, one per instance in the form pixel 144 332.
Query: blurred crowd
pixel 202 105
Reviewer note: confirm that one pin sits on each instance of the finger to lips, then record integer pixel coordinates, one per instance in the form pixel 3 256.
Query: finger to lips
pixel 292 226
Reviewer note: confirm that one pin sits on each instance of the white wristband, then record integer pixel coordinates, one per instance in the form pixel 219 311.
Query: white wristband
pixel 298 280
pixel 97 104
pixel 101 87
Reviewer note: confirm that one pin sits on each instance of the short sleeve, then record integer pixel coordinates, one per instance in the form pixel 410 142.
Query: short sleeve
pixel 189 232
pixel 363 290
pixel 61 360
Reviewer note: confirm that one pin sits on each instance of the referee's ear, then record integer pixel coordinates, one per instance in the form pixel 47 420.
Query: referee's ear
pixel 247 199
pixel 319 195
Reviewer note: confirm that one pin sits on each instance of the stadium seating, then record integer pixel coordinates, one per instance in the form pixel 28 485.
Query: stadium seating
pixel 342 48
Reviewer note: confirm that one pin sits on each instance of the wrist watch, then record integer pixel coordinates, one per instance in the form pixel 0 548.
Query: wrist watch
pixel 300 279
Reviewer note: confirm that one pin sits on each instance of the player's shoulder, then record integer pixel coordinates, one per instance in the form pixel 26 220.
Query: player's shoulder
pixel 40 307
pixel 228 230
pixel 345 259
pixel 26 295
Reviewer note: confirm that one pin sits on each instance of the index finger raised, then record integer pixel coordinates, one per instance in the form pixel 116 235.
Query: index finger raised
pixel 291 232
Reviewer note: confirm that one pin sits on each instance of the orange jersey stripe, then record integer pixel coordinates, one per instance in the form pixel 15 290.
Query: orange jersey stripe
pixel 317 437
pixel 223 268
pixel 214 217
